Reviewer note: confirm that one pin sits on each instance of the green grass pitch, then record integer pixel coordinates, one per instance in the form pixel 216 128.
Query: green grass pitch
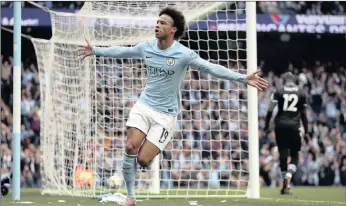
pixel 314 196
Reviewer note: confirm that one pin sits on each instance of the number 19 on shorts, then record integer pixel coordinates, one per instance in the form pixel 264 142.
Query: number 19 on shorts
pixel 164 135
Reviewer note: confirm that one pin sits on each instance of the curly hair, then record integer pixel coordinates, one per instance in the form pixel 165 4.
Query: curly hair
pixel 178 20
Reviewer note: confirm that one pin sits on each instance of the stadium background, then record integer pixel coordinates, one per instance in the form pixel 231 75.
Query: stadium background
pixel 318 60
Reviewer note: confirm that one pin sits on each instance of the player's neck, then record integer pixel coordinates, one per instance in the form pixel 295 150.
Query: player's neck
pixel 290 84
pixel 164 43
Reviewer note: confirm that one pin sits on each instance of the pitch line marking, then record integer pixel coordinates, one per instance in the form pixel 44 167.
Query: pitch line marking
pixel 311 201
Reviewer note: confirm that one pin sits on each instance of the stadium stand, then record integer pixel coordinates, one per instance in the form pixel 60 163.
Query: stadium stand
pixel 322 162
pixel 302 7
pixel 30 129
pixel 49 4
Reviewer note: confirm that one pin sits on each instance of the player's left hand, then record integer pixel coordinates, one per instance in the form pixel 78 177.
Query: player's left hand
pixel 254 80
pixel 85 51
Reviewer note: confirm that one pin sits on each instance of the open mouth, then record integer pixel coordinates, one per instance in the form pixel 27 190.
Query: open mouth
pixel 156 30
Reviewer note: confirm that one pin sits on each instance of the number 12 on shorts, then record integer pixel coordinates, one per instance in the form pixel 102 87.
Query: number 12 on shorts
pixel 164 135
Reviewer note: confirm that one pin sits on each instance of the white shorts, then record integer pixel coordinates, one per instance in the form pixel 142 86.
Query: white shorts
pixel 158 126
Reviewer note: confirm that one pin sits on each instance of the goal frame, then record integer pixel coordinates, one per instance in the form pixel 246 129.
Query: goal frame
pixel 251 50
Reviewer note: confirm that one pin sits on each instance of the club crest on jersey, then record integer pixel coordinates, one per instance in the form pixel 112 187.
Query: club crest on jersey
pixel 170 61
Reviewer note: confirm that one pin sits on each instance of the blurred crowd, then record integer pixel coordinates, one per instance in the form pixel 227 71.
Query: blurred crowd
pixel 302 7
pixel 323 160
pixel 30 121
pixel 48 4
pixel 210 146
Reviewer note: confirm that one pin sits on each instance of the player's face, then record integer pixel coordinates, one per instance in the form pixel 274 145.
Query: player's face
pixel 164 27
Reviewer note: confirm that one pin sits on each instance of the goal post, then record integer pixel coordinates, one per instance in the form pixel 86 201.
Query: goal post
pixel 251 42
pixel 85 104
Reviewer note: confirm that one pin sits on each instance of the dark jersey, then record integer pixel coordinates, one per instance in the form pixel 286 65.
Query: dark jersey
pixel 291 100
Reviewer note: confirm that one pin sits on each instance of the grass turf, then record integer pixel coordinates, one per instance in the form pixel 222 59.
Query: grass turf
pixel 314 196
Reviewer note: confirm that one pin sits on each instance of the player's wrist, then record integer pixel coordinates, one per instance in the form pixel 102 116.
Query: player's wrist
pixel 244 79
pixel 93 50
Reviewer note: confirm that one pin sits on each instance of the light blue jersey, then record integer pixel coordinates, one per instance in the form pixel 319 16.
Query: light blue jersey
pixel 166 70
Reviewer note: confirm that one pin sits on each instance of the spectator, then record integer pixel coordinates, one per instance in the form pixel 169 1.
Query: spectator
pixel 303 7
pixel 326 174
pixel 30 127
pixel 27 76
pixel 343 172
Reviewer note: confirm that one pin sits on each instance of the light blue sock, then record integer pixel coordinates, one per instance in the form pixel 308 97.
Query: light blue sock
pixel 129 172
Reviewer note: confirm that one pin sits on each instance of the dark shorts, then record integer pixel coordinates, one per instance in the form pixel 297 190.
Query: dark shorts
pixel 288 138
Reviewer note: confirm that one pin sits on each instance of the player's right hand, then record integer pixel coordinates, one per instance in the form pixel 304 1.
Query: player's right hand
pixel 85 51
pixel 254 80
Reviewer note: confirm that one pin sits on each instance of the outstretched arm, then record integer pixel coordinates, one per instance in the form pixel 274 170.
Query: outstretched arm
pixel 115 51
pixel 225 73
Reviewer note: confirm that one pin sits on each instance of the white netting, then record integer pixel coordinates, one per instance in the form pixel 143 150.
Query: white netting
pixel 86 104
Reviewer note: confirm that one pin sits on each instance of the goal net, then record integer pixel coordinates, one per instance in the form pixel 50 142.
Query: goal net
pixel 86 103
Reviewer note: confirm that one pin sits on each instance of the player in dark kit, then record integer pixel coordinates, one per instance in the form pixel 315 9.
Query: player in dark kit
pixel 292 104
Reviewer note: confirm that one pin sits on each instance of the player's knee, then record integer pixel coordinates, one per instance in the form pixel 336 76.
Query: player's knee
pixel 143 162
